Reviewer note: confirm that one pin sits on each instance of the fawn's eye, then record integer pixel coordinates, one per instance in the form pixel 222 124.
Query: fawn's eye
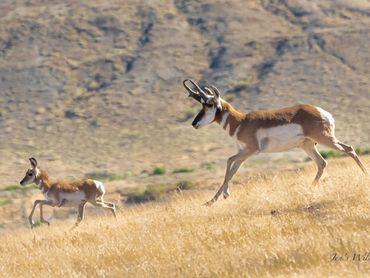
pixel 29 173
pixel 209 105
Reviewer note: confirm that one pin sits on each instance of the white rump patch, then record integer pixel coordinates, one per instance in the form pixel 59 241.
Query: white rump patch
pixel 280 138
pixel 72 198
pixel 100 187
pixel 326 116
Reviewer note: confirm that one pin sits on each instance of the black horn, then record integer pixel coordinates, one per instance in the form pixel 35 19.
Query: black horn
pixel 191 92
pixel 199 95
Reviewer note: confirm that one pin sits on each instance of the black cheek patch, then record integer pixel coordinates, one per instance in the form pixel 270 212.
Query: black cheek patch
pixel 198 117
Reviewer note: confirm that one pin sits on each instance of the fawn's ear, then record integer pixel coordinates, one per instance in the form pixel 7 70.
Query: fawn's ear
pixel 33 162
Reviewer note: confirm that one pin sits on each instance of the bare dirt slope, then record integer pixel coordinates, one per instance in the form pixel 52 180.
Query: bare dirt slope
pixel 96 85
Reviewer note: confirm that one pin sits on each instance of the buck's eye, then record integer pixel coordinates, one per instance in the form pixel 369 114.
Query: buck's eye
pixel 29 173
pixel 209 105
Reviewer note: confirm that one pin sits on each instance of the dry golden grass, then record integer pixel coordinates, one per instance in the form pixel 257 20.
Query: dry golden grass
pixel 272 225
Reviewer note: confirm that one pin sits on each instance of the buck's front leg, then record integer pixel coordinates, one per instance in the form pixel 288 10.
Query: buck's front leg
pixel 233 164
pixel 233 170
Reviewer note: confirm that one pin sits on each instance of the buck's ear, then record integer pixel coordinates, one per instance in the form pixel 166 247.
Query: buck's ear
pixel 217 95
pixel 33 162
pixel 216 92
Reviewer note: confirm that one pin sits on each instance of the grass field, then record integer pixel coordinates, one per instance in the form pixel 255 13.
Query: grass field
pixel 273 224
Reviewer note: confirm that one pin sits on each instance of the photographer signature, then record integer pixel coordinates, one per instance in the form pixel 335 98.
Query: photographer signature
pixel 353 257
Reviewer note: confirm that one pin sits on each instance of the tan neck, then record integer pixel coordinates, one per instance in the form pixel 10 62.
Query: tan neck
pixel 42 180
pixel 229 118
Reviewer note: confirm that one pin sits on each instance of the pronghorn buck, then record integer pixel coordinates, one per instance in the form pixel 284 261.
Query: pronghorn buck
pixel 65 193
pixel 300 126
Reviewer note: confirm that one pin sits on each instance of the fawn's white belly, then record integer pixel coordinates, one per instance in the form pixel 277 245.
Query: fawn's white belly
pixel 280 138
pixel 72 199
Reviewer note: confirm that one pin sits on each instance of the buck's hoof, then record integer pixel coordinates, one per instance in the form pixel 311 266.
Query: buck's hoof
pixel 209 203
pixel 226 194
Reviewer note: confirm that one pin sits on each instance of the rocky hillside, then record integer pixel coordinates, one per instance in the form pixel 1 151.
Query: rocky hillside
pixel 96 85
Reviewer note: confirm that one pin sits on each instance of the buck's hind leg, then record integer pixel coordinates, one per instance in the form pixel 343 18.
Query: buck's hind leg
pixel 352 153
pixel 310 148
pixel 333 143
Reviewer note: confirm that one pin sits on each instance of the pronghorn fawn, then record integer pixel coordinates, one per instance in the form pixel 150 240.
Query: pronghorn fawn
pixel 300 126
pixel 65 193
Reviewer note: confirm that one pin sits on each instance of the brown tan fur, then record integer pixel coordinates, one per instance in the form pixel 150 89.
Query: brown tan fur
pixel 315 130
pixel 54 188
pixel 305 115
pixel 65 193
pixel 301 126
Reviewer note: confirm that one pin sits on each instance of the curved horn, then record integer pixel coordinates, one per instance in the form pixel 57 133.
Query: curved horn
pixel 209 91
pixel 191 92
pixel 199 92
pixel 187 87
pixel 195 85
